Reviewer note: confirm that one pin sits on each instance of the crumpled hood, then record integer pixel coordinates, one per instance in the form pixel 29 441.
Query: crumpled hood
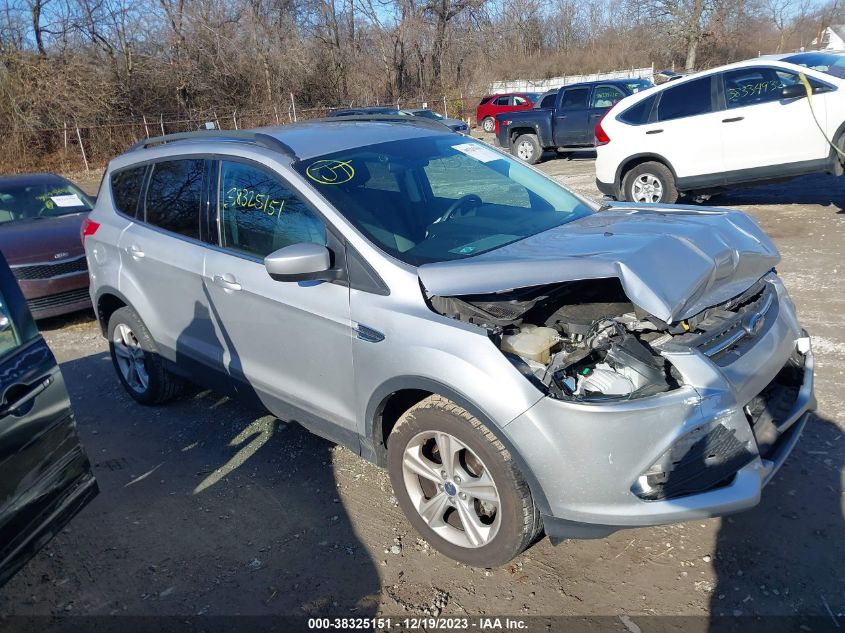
pixel 672 262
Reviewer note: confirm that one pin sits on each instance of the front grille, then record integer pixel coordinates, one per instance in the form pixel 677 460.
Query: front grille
pixel 726 331
pixel 49 270
pixel 58 300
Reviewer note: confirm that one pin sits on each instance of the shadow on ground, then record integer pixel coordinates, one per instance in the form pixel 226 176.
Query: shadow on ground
pixel 821 189
pixel 177 531
pixel 795 534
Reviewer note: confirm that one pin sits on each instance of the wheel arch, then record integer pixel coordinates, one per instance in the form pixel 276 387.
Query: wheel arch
pixel 395 396
pixel 836 163
pixel 638 159
pixel 516 132
pixel 106 302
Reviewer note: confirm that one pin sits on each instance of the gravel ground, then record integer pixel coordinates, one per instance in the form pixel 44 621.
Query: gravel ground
pixel 207 507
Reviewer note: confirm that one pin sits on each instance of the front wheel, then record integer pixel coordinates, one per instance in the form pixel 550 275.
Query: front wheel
pixel 458 485
pixel 488 125
pixel 650 182
pixel 527 148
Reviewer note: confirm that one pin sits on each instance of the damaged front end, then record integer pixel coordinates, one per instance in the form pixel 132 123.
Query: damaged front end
pixel 586 341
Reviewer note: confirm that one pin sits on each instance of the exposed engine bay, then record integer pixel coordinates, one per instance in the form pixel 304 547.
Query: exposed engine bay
pixel 585 341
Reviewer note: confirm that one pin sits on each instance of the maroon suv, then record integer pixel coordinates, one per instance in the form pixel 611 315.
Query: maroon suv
pixel 41 217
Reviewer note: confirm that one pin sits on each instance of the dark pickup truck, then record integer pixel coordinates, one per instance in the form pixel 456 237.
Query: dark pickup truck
pixel 564 120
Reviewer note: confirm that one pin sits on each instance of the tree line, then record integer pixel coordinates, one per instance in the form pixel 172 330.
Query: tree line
pixel 110 60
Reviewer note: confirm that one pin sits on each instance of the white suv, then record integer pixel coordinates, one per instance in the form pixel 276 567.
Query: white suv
pixel 738 124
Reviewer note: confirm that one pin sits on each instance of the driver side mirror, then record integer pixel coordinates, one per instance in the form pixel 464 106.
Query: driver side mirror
pixel 305 261
pixel 793 91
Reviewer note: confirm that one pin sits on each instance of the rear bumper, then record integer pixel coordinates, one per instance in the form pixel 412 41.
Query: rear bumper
pixel 607 188
pixel 592 461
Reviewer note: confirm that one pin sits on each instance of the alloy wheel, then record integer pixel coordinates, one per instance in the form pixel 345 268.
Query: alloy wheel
pixel 525 150
pixel 130 358
pixel 647 188
pixel 451 489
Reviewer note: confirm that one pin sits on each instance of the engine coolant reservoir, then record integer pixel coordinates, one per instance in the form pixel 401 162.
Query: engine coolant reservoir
pixel 531 342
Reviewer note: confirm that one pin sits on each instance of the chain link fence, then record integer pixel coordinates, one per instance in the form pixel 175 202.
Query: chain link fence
pixel 89 145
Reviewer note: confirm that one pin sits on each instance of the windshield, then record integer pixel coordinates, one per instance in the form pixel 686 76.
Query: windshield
pixel 40 198
pixel 428 114
pixel 823 62
pixel 439 198
pixel 635 85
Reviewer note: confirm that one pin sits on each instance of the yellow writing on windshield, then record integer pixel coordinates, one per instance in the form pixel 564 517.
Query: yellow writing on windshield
pixel 330 172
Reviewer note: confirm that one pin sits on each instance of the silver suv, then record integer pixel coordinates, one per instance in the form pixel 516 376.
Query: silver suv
pixel 519 359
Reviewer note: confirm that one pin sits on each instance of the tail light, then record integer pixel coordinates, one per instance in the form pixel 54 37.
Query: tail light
pixel 89 227
pixel 601 136
pixel 506 122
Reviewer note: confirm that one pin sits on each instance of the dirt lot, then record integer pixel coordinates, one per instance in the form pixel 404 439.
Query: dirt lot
pixel 209 508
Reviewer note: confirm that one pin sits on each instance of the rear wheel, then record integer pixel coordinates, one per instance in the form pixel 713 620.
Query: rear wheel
pixel 488 125
pixel 527 148
pixel 650 182
pixel 135 357
pixel 458 485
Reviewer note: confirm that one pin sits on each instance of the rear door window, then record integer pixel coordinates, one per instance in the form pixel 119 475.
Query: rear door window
pixel 174 196
pixel 606 96
pixel 126 187
pixel 575 99
pixel 259 214
pixel 687 99
pixel 548 101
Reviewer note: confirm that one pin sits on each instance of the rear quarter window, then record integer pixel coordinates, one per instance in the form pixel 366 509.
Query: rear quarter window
pixel 126 189
pixel 639 113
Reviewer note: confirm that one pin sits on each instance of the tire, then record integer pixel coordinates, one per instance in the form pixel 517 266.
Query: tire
pixel 127 334
pixel 656 184
pixel 505 523
pixel 488 125
pixel 527 148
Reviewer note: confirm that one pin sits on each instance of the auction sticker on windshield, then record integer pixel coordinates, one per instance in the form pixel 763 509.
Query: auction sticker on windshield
pixel 69 200
pixel 477 151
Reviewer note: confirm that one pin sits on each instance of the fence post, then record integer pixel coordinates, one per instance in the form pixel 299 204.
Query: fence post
pixel 161 123
pixel 293 107
pixel 235 119
pixel 276 112
pixel 65 130
pixel 216 120
pixel 146 128
pixel 81 147
pixel 445 109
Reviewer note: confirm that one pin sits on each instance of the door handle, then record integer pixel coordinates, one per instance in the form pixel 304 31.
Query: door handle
pixel 30 392
pixel 733 120
pixel 135 252
pixel 227 282
pixel 654 132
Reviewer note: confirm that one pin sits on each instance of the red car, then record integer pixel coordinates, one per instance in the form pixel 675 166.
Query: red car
pixel 491 105
pixel 41 218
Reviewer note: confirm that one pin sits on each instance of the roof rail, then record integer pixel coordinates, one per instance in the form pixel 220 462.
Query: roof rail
pixel 386 118
pixel 245 136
